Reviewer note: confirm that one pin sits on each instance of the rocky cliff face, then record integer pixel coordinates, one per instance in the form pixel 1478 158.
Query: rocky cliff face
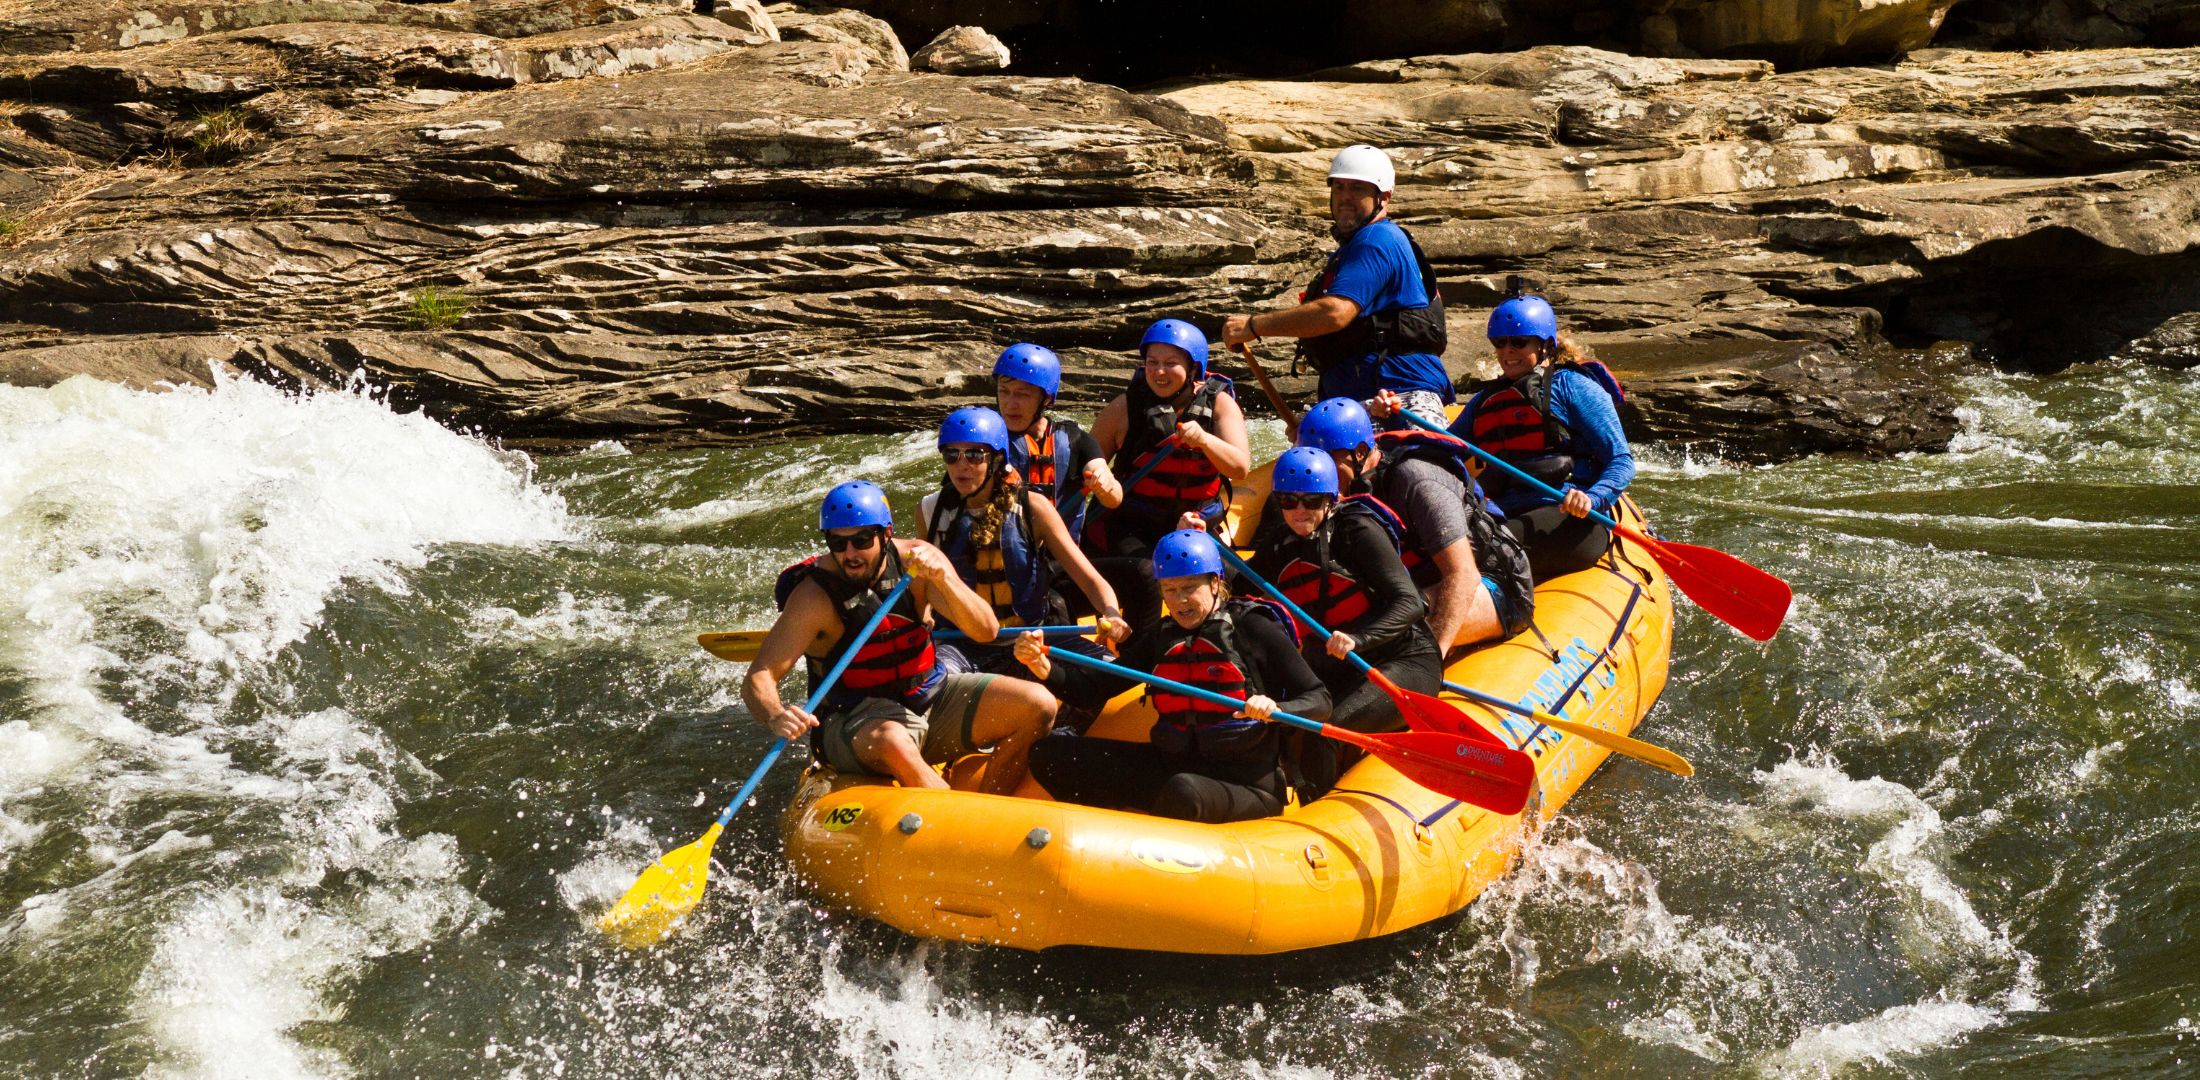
pixel 566 220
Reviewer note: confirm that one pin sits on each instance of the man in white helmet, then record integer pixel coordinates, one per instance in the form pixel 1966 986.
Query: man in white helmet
pixel 1372 321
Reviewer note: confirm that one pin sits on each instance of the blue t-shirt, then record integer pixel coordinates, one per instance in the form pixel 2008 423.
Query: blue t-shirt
pixel 1375 269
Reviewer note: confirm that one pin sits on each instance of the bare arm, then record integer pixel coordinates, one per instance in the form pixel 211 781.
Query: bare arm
pixel 938 586
pixel 1113 423
pixel 1227 446
pixel 803 628
pixel 1108 430
pixel 1311 319
pixel 1054 534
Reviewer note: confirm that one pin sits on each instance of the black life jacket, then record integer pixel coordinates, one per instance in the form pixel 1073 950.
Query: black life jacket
pixel 1010 575
pixel 1210 657
pixel 1184 480
pixel 897 663
pixel 1498 556
pixel 1046 470
pixel 1313 578
pixel 1378 333
pixel 1513 420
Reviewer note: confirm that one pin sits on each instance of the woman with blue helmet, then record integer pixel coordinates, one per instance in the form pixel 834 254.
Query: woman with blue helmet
pixel 1553 413
pixel 1338 559
pixel 896 711
pixel 999 538
pixel 1203 762
pixel 1177 438
pixel 1049 453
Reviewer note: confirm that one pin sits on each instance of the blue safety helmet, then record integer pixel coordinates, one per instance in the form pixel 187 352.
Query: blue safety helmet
pixel 1305 470
pixel 1524 316
pixel 1339 423
pixel 1184 336
pixel 1034 364
pixel 854 505
pixel 1184 553
pixel 975 424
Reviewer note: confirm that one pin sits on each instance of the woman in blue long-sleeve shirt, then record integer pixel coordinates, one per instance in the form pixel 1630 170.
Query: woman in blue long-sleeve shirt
pixel 1553 414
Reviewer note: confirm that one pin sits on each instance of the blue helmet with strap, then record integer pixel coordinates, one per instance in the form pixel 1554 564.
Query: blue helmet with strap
pixel 1034 364
pixel 1524 316
pixel 1305 470
pixel 854 505
pixel 1184 553
pixel 975 424
pixel 1339 423
pixel 1184 336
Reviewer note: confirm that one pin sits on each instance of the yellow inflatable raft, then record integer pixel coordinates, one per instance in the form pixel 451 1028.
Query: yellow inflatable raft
pixel 1377 855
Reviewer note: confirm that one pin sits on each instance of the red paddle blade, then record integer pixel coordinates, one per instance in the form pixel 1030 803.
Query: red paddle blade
pixel 1425 713
pixel 1744 597
pixel 1496 778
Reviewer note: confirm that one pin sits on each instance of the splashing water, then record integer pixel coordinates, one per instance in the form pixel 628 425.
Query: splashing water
pixel 324 732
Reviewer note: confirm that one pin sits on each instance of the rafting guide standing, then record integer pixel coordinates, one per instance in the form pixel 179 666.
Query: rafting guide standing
pixel 1372 320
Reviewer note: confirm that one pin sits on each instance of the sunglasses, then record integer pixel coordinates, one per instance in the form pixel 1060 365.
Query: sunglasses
pixel 1515 342
pixel 1302 500
pixel 974 454
pixel 859 541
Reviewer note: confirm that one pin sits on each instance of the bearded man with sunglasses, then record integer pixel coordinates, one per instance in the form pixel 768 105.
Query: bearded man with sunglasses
pixel 896 710
pixel 1372 321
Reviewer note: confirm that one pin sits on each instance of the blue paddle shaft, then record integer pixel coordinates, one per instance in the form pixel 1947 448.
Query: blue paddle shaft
pixel 818 692
pixel 1492 459
pixel 1232 558
pixel 1187 690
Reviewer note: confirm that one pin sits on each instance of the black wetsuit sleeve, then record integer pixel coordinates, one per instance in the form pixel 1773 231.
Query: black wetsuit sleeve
pixel 1283 672
pixel 1092 688
pixel 1363 549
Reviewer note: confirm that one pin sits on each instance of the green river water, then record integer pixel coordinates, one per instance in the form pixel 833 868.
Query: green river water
pixel 324 732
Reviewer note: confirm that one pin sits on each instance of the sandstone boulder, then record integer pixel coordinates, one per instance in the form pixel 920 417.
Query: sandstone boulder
pixel 961 50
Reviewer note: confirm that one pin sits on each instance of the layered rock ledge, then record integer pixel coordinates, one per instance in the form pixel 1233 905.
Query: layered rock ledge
pixel 661 226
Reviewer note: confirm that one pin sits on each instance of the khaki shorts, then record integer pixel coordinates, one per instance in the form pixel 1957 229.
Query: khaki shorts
pixel 942 733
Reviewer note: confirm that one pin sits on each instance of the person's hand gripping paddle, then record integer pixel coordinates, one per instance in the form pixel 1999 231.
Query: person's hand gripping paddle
pixel 654 905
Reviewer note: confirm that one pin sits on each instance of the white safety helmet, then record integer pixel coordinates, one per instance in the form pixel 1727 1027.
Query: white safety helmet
pixel 1363 162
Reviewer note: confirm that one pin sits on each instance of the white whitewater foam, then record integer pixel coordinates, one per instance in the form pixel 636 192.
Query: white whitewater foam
pixel 1939 929
pixel 914 1029
pixel 168 547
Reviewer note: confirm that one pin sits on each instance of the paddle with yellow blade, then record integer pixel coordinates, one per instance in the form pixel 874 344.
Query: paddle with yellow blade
pixel 1490 775
pixel 740 646
pixel 1427 713
pixel 1740 595
pixel 654 905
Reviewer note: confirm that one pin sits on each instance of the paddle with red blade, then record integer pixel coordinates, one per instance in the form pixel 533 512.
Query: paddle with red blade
pixel 1421 711
pixel 1497 778
pixel 1744 597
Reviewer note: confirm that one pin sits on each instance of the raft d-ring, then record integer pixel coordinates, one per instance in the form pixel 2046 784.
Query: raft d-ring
pixel 910 823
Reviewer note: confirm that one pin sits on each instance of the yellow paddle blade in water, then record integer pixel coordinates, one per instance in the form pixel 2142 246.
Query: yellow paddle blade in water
pixel 739 646
pixel 653 907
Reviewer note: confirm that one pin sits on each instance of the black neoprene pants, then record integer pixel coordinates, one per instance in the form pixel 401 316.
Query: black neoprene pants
pixel 1557 542
pixel 1137 776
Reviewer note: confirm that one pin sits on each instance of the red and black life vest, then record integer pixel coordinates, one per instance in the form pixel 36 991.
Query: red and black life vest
pixel 1397 332
pixel 1184 479
pixel 1045 467
pixel 1316 581
pixel 1513 420
pixel 1009 574
pixel 1210 657
pixel 898 661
